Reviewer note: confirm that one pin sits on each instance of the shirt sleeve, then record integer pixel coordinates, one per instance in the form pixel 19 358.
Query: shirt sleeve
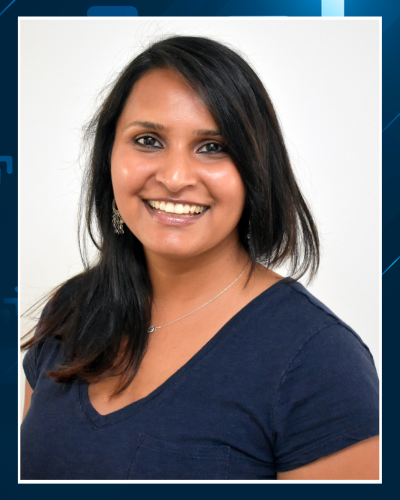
pixel 327 400
pixel 30 361
pixel 29 365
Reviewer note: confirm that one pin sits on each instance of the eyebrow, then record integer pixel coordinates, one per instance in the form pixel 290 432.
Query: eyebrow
pixel 208 132
pixel 159 126
pixel 155 126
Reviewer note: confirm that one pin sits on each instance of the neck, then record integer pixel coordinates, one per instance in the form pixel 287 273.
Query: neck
pixel 181 281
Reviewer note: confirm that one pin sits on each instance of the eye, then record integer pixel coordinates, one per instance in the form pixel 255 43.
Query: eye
pixel 211 148
pixel 148 141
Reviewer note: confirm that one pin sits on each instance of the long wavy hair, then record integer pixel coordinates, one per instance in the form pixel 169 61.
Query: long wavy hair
pixel 106 309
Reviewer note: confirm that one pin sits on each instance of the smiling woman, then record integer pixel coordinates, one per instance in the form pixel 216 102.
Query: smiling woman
pixel 174 157
pixel 181 354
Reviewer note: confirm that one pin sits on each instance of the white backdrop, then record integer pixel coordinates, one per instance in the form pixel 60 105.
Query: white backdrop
pixel 323 76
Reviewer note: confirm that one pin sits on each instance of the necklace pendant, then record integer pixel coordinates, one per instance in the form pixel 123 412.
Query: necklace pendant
pixel 152 329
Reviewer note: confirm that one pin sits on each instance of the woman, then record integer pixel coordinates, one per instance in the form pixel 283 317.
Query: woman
pixel 178 355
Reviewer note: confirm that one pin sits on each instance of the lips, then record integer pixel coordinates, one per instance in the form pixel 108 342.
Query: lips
pixel 175 214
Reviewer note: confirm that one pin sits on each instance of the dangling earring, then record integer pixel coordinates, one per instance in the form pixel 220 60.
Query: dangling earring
pixel 117 220
pixel 248 232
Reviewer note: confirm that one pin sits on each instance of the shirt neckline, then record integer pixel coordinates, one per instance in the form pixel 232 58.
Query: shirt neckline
pixel 131 409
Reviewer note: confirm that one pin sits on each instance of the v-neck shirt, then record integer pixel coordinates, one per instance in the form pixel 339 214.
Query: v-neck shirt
pixel 283 383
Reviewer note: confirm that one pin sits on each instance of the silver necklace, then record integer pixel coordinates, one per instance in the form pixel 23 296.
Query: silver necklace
pixel 152 329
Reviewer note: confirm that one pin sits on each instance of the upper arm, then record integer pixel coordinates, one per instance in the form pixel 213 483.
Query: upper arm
pixel 328 403
pixel 359 461
pixel 27 400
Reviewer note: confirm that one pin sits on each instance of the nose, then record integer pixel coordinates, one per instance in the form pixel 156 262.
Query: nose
pixel 176 171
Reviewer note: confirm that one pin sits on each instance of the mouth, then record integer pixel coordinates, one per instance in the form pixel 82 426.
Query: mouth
pixel 176 209
pixel 175 214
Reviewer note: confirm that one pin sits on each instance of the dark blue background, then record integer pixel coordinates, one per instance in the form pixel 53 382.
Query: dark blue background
pixel 9 12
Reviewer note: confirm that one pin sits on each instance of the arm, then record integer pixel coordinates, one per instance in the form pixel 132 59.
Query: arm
pixel 359 461
pixel 28 395
pixel 327 410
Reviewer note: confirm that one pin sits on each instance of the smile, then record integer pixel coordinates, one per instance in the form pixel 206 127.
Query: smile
pixel 175 214
pixel 185 209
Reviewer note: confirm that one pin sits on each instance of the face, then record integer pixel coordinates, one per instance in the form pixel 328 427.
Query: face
pixel 174 185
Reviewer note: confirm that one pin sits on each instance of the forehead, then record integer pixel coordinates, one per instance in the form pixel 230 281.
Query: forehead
pixel 164 95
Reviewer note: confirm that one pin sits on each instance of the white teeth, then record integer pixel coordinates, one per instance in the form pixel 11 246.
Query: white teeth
pixel 176 208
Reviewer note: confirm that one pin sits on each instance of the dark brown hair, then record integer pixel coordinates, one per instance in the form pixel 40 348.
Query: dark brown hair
pixel 108 306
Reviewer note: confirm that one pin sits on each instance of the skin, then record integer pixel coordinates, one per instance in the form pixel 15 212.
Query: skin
pixel 359 461
pixel 162 151
pixel 177 167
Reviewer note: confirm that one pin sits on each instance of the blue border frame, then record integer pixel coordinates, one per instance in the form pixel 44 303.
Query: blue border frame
pixel 9 12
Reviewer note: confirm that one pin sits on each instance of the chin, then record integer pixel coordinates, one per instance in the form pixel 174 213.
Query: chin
pixel 176 249
pixel 175 253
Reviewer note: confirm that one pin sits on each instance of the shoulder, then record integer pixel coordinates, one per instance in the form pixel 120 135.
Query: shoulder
pixel 287 325
pixel 289 310
pixel 42 356
pixel 326 396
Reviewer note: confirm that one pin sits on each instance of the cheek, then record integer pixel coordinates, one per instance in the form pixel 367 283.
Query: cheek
pixel 228 188
pixel 128 173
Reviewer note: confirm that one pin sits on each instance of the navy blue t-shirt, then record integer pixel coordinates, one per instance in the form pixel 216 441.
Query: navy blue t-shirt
pixel 282 384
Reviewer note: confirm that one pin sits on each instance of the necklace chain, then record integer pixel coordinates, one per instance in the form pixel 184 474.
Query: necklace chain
pixel 151 329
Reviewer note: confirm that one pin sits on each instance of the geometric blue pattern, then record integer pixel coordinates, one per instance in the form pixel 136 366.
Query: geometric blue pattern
pixel 387 126
pixel 390 266
pixel 12 301
pixel 4 317
pixel 9 5
pixel 8 161
pixel 332 8
pixel 109 11
pixel 390 10
pixel 8 361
